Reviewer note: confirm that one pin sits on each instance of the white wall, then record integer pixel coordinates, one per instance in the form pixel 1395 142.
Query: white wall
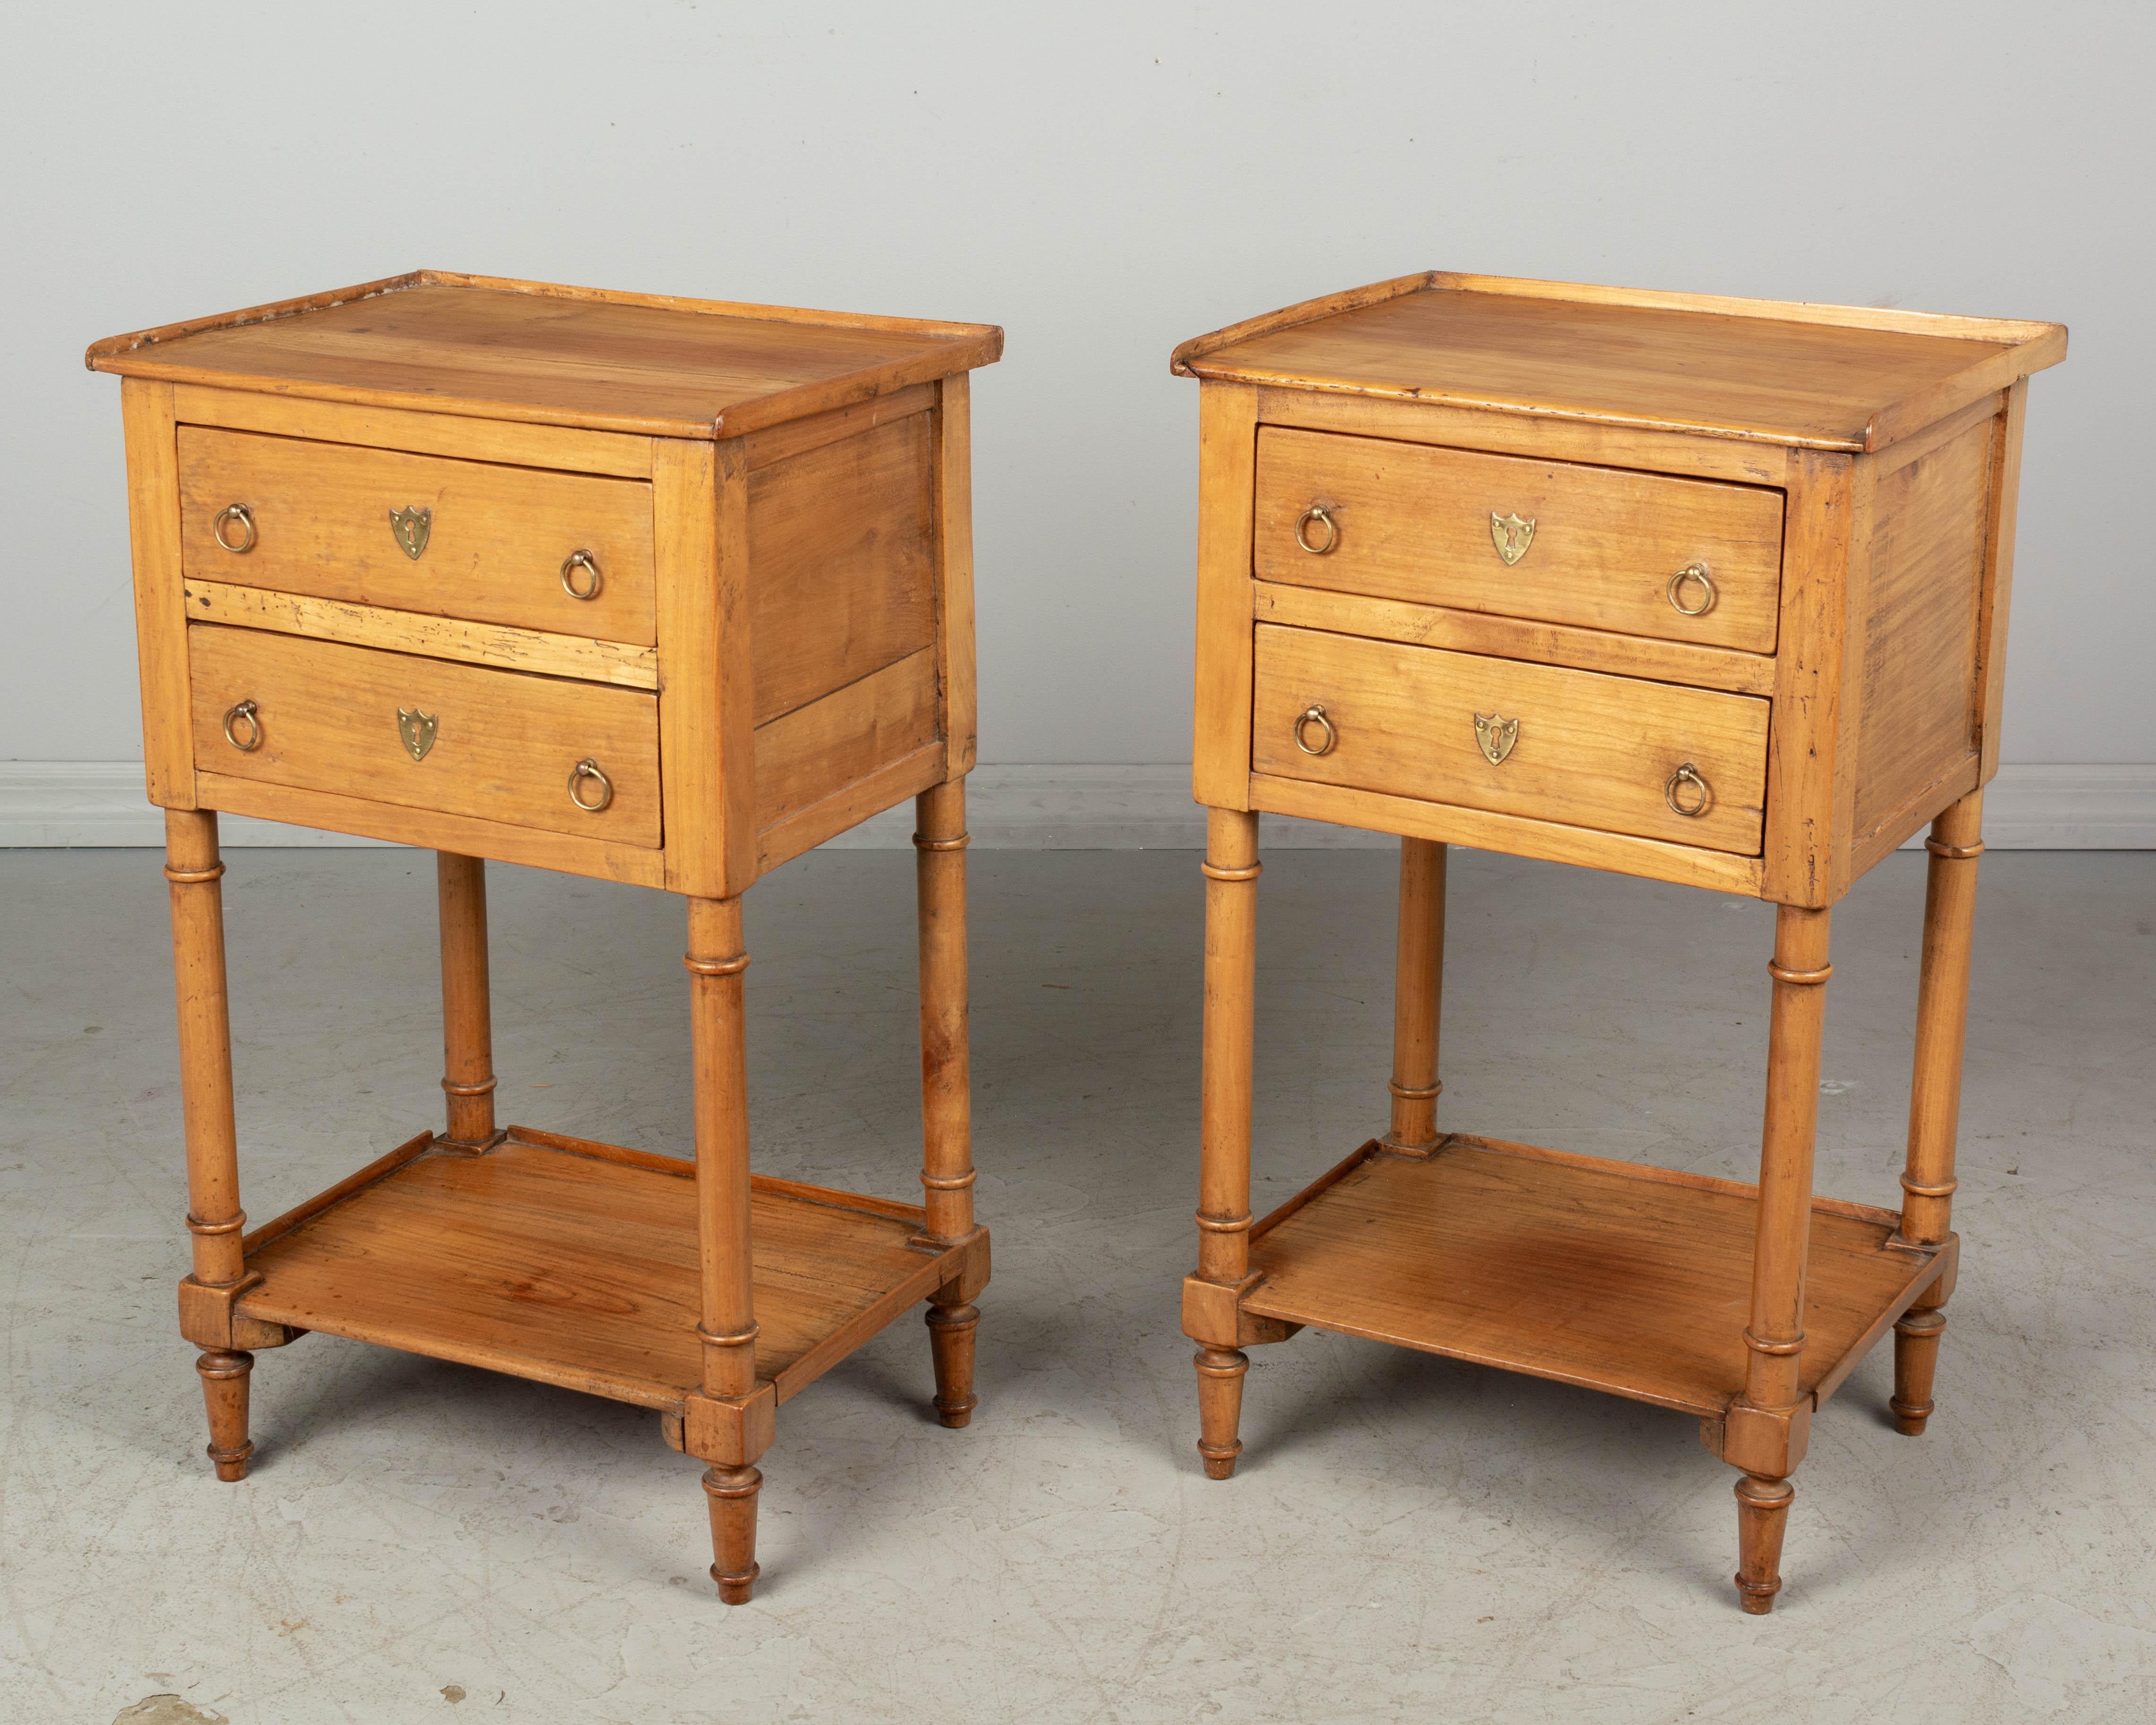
pixel 1103 181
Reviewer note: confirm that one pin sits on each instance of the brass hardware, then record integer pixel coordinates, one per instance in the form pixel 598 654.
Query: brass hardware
pixel 417 729
pixel 1703 798
pixel 1691 571
pixel 570 565
pixel 1315 716
pixel 234 512
pixel 1511 535
pixel 411 526
pixel 589 769
pixel 233 714
pixel 1317 512
pixel 1497 736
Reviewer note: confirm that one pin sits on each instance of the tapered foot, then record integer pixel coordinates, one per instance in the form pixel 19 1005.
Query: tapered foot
pixel 1762 1512
pixel 732 1491
pixel 225 1396
pixel 950 1339
pixel 1220 1408
pixel 1916 1357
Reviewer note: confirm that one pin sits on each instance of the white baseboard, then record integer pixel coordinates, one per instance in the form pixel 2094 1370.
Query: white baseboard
pixel 80 804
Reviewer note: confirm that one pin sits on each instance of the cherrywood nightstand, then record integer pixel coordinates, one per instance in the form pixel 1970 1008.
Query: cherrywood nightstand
pixel 1710 591
pixel 653 590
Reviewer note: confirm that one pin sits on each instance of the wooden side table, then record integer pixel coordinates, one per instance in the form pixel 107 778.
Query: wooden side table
pixel 653 590
pixel 1709 591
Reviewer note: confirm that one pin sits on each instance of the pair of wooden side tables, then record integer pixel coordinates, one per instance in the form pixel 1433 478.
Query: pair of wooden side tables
pixel 670 591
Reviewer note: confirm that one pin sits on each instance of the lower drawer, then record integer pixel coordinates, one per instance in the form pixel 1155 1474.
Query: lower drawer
pixel 394 728
pixel 1573 746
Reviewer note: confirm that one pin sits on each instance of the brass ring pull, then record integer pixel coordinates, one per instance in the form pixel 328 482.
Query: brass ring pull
pixel 1317 512
pixel 583 560
pixel 235 714
pixel 1674 592
pixel 1702 796
pixel 1315 716
pixel 584 769
pixel 234 512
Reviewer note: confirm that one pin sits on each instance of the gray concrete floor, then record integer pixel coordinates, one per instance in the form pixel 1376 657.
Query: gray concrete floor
pixel 1409 1537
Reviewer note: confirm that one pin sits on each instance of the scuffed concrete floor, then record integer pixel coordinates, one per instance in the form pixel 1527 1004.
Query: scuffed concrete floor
pixel 1407 1538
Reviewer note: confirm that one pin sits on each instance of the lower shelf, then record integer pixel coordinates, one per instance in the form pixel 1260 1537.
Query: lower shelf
pixel 1632 1280
pixel 575 1264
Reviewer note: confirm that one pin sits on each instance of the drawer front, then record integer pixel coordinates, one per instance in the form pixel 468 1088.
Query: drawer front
pixel 491 545
pixel 1577 748
pixel 1594 546
pixel 500 745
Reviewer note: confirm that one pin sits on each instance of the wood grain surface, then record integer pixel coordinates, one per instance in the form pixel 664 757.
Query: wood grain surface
pixel 1593 750
pixel 1603 1274
pixel 1536 437
pixel 504 742
pixel 1516 835
pixel 1350 613
pixel 1413 522
pixel 494 644
pixel 496 540
pixel 817 751
pixel 841 558
pixel 1227 458
pixel 1820 378
pixel 580 1268
pixel 669 367
pixel 1920 702
pixel 153 524
pixel 554 447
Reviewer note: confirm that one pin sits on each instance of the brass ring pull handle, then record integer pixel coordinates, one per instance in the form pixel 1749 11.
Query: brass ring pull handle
pixel 585 561
pixel 244 712
pixel 1702 794
pixel 1317 512
pixel 587 768
pixel 234 512
pixel 1674 592
pixel 1315 716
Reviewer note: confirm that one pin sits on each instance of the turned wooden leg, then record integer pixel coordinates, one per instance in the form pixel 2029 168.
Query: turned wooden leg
pixel 1774 1338
pixel 467 1010
pixel 947 1094
pixel 1417 988
pixel 215 1220
pixel 1916 1356
pixel 1231 870
pixel 950 1339
pixel 732 1493
pixel 1763 1513
pixel 1927 1180
pixel 1220 1408
pixel 224 1397
pixel 725 1264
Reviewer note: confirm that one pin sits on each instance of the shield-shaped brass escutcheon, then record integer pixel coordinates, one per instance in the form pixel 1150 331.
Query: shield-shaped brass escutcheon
pixel 411 526
pixel 1511 535
pixel 417 729
pixel 1497 736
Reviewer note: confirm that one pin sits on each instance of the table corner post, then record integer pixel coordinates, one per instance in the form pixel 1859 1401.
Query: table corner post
pixel 1772 1413
pixel 194 871
pixel 468 1078
pixel 946 1160
pixel 1928 1178
pixel 1418 997
pixel 731 1403
pixel 1231 869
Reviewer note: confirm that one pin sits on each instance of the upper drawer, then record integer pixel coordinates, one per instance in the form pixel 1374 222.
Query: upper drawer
pixel 1596 547
pixel 1575 746
pixel 425 733
pixel 476 540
